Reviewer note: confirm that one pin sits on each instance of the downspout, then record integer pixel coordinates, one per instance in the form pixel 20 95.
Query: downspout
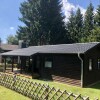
pixel 81 69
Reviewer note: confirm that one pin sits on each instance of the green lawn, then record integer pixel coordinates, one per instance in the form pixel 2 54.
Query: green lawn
pixel 93 91
pixel 7 94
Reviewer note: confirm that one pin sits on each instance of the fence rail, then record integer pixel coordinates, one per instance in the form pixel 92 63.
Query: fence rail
pixel 36 91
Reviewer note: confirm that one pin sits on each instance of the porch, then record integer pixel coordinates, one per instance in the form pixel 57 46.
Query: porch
pixel 21 65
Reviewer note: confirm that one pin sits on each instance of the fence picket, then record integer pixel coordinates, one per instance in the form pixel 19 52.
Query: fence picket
pixel 36 91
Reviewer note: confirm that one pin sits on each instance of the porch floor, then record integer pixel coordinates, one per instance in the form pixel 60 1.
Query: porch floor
pixel 17 72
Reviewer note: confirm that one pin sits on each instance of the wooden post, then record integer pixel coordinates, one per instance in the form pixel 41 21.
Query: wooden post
pixel 29 61
pixel 5 64
pixel 29 65
pixel 47 90
pixel 12 63
pixel 33 65
pixel 21 65
pixel 41 65
pixel 24 64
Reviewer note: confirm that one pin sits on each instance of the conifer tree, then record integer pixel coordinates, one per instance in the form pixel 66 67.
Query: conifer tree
pixel 78 26
pixel 75 26
pixel 30 17
pixel 97 16
pixel 95 35
pixel 88 23
pixel 71 27
pixel 43 22
pixel 52 21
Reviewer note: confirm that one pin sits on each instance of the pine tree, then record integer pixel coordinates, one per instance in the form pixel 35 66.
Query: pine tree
pixel 97 16
pixel 88 22
pixel 43 22
pixel 71 27
pixel 30 17
pixel 52 21
pixel 95 35
pixel 78 26
pixel 75 26
pixel 22 33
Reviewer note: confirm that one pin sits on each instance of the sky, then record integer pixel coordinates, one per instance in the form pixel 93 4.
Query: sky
pixel 9 14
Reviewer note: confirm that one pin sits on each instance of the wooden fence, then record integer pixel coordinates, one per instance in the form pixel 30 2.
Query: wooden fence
pixel 36 91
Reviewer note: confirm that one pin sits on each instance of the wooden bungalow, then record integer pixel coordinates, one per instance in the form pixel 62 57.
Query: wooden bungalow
pixel 76 64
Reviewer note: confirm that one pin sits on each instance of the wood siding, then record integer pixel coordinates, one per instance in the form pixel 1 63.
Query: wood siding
pixel 66 69
pixel 92 76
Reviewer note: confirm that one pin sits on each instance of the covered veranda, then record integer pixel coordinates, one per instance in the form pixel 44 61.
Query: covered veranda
pixel 26 61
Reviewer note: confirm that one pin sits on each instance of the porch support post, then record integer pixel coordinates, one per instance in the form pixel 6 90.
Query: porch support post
pixel 21 65
pixel 5 64
pixel 41 65
pixel 24 63
pixel 33 65
pixel 12 63
pixel 29 61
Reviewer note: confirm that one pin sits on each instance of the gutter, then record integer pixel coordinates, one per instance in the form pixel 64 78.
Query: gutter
pixel 81 69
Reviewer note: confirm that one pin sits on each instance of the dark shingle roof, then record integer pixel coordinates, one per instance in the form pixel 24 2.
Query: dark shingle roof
pixel 8 47
pixel 61 49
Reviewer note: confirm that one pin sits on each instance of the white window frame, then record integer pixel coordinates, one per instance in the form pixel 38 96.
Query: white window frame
pixel 90 65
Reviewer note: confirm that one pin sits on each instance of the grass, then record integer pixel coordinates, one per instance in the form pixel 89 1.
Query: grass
pixel 93 92
pixel 7 94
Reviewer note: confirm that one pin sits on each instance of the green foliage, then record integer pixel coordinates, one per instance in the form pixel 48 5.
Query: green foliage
pixel 95 35
pixel 0 45
pixel 30 17
pixel 92 30
pixel 70 26
pixel 43 22
pixel 97 17
pixel 12 40
pixel 75 26
pixel 87 29
pixel 78 26
pixel 22 33
pixel 89 16
pixel 88 23
pixel 52 21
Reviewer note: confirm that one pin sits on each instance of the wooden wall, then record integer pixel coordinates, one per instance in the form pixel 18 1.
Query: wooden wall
pixel 66 69
pixel 92 76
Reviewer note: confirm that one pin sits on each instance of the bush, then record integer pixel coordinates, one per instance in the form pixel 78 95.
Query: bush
pixel 9 61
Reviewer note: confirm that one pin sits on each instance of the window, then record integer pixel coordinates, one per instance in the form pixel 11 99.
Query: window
pixel 98 63
pixel 90 64
pixel 48 62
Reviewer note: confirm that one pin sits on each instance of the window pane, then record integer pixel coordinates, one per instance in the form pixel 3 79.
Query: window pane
pixel 90 64
pixel 48 64
pixel 98 63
